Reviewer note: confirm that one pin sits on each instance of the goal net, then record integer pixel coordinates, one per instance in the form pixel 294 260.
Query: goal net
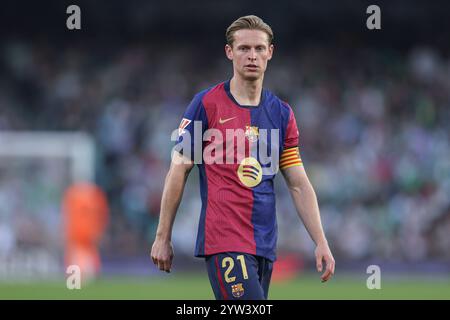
pixel 35 170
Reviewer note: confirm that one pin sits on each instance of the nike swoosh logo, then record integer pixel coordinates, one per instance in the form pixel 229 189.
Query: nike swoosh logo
pixel 222 121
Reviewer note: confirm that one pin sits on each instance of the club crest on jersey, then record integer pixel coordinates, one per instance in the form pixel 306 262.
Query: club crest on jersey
pixel 251 133
pixel 237 290
pixel 183 124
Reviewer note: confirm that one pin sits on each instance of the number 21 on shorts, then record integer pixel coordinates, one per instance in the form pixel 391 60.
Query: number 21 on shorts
pixel 228 263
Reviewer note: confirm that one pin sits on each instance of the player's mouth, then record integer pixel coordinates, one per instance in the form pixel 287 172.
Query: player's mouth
pixel 251 67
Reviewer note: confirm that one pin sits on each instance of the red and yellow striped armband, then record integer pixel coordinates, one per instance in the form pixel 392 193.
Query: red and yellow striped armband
pixel 290 158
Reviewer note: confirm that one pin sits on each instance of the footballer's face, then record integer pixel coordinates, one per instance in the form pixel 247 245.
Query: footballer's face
pixel 250 53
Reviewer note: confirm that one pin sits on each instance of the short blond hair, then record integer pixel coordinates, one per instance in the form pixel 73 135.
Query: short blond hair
pixel 248 22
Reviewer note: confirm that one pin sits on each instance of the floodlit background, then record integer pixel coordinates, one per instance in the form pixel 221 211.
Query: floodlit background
pixel 99 105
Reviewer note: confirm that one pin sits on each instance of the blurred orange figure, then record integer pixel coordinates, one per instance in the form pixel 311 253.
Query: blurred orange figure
pixel 287 267
pixel 85 211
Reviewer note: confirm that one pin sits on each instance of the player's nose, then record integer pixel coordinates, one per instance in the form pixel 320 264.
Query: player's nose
pixel 252 55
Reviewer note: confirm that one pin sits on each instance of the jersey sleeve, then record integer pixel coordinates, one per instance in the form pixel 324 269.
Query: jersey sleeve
pixel 190 131
pixel 290 156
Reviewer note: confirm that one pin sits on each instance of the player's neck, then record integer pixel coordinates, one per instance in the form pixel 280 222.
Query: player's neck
pixel 246 92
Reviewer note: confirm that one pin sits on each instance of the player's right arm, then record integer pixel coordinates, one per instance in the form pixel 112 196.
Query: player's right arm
pixel 182 162
pixel 162 250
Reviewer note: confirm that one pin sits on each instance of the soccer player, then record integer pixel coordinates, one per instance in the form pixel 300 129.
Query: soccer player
pixel 237 231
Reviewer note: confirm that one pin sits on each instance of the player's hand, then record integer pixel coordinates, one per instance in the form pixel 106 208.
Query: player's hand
pixel 323 253
pixel 162 254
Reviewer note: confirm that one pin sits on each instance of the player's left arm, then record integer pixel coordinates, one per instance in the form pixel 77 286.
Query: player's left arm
pixel 307 207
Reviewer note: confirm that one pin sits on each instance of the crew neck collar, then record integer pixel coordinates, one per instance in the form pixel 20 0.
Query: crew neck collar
pixel 228 91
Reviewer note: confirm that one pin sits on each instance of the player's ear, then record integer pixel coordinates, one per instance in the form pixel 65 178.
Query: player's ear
pixel 229 51
pixel 271 48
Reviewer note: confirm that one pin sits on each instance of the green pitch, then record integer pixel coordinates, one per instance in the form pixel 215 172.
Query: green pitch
pixel 188 286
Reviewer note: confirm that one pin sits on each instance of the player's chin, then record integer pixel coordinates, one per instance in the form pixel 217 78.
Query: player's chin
pixel 252 76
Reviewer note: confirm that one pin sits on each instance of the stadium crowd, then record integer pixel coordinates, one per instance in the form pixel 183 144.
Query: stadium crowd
pixel 374 137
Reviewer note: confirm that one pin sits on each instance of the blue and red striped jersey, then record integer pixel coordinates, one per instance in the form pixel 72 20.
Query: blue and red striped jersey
pixel 238 150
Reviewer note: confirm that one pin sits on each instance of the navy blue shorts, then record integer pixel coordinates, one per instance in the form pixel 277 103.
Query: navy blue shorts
pixel 235 275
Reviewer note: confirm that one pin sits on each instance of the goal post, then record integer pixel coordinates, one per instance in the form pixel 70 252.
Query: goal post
pixel 77 147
